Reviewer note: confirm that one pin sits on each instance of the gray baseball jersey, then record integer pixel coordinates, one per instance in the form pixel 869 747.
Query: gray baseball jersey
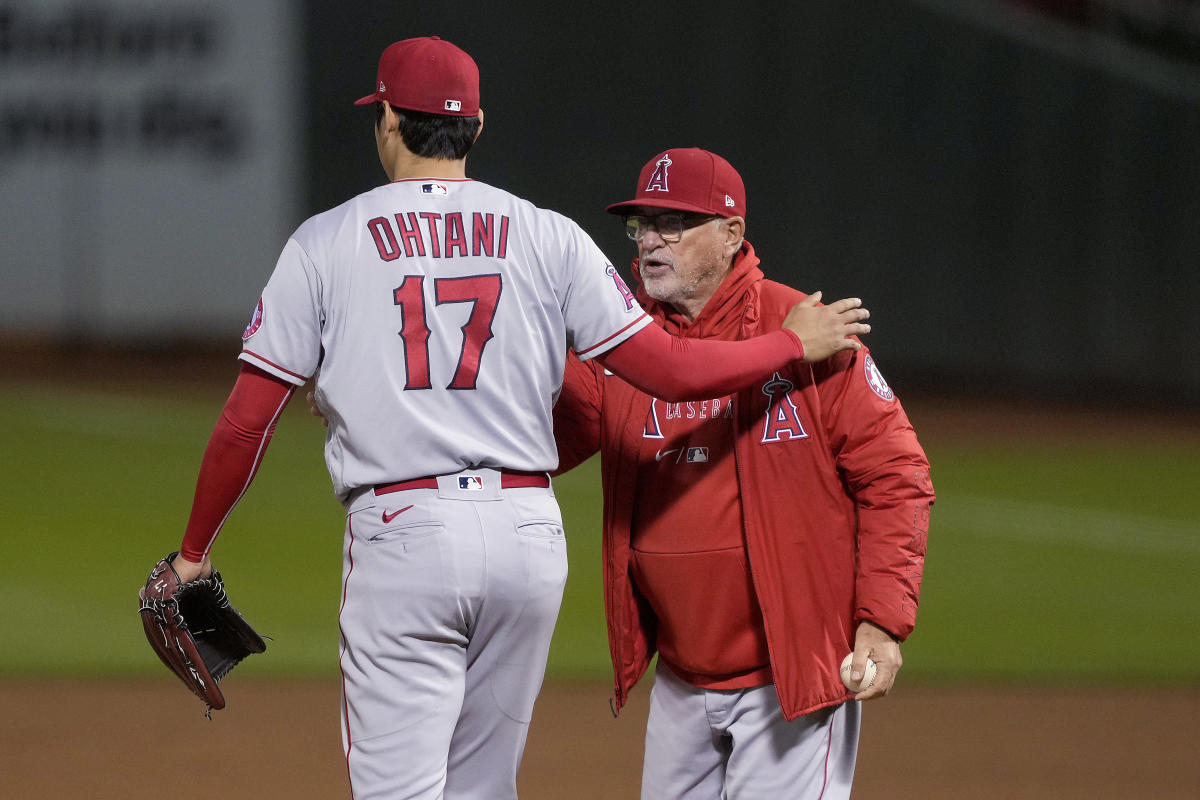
pixel 437 314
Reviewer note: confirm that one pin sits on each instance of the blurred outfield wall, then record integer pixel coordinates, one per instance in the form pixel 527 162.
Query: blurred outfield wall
pixel 1017 199
pixel 144 177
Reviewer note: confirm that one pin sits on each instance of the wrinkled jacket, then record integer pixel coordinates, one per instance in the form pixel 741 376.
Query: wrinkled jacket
pixel 835 517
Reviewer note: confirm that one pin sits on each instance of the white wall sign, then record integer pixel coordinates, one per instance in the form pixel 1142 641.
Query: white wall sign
pixel 148 159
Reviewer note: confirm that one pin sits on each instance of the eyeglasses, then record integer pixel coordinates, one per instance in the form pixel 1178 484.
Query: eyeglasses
pixel 669 226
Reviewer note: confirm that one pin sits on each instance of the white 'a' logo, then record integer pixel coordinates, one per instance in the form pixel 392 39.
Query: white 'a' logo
pixel 658 179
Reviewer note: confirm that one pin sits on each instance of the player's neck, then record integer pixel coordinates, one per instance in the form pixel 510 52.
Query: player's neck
pixel 407 165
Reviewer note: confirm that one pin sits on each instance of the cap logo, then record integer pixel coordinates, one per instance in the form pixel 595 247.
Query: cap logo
pixel 454 105
pixel 729 202
pixel 658 180
pixel 382 88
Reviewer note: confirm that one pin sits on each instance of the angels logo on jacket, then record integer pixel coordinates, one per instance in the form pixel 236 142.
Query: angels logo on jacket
pixel 255 321
pixel 652 430
pixel 875 380
pixel 783 418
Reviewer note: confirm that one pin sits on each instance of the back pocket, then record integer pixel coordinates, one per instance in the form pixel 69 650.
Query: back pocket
pixel 408 533
pixel 541 529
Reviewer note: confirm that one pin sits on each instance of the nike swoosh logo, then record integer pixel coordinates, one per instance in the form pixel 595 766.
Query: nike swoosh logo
pixel 660 455
pixel 389 517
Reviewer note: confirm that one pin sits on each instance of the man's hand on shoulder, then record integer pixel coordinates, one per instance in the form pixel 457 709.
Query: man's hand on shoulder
pixel 825 330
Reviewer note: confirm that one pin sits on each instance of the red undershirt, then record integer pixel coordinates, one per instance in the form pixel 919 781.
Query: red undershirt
pixel 689 554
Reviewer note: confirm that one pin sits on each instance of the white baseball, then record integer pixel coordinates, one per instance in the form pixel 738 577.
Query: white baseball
pixel 868 674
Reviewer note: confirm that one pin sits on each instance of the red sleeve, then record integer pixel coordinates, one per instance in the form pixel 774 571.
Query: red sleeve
pixel 577 415
pixel 674 369
pixel 234 451
pixel 887 473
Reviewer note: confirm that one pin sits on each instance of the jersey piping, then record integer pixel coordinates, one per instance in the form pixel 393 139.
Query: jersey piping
pixel 591 351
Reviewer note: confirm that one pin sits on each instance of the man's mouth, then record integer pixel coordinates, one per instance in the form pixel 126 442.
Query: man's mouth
pixel 654 266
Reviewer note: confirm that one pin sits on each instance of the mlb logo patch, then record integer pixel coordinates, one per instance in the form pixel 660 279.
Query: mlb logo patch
pixel 697 455
pixel 470 483
pixel 454 105
pixel 435 188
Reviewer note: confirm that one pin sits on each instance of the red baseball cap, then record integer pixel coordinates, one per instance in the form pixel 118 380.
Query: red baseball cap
pixel 427 74
pixel 688 179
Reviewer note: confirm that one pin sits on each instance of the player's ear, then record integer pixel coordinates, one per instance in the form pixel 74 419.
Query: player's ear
pixel 476 139
pixel 390 119
pixel 735 232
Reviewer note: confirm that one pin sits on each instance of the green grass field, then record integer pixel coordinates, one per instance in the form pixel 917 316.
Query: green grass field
pixel 1046 564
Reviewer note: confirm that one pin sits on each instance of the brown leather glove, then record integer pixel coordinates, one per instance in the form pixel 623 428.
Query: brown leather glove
pixel 194 630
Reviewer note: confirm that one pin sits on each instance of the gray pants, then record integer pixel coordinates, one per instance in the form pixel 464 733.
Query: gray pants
pixel 449 601
pixel 735 745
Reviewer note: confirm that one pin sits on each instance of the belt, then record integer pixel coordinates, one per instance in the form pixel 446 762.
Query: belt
pixel 509 479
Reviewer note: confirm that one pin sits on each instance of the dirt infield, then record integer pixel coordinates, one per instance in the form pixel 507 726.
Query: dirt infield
pixel 105 740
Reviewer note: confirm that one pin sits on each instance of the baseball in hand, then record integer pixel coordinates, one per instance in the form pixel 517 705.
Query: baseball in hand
pixel 868 674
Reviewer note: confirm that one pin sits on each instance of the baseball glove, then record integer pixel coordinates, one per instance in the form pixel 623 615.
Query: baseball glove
pixel 194 629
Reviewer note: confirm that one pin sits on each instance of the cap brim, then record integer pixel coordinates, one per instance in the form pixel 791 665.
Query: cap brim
pixel 371 98
pixel 632 206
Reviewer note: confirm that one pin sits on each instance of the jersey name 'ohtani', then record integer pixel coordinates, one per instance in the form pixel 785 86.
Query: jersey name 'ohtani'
pixel 458 233
pixel 436 315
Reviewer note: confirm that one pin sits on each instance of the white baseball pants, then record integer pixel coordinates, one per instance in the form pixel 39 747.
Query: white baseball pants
pixel 706 744
pixel 450 596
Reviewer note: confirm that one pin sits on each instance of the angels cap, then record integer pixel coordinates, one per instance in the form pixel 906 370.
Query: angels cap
pixel 427 74
pixel 688 179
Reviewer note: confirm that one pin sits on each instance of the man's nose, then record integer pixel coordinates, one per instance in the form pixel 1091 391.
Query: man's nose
pixel 651 240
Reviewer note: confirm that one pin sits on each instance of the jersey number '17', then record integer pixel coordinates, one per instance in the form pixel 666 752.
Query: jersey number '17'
pixel 481 291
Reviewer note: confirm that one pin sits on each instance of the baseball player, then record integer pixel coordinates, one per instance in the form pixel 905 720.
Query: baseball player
pixel 754 538
pixel 435 312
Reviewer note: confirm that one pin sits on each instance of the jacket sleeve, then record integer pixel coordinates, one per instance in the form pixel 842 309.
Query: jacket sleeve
pixel 577 414
pixel 887 473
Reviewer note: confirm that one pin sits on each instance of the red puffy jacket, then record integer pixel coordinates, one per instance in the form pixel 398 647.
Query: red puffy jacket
pixel 835 519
